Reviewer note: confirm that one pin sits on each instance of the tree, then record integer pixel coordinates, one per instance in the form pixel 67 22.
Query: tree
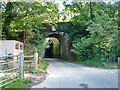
pixel 22 20
pixel 102 39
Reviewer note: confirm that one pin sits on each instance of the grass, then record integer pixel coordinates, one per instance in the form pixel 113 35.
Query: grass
pixel 95 63
pixel 42 66
pixel 24 82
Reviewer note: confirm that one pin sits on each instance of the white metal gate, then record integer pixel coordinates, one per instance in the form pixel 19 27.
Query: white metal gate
pixel 10 68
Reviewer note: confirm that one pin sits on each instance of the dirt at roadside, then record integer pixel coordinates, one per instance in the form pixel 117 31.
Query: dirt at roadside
pixel 37 78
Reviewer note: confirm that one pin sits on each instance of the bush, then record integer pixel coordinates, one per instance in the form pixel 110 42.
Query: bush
pixel 26 80
pixel 97 63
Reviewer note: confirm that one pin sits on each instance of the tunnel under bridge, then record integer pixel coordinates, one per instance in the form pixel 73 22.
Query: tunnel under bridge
pixel 63 48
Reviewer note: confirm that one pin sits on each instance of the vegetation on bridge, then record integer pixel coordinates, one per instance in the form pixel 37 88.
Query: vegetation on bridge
pixel 94 32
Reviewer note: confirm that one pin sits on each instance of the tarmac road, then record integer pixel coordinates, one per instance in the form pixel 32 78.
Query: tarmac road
pixel 68 75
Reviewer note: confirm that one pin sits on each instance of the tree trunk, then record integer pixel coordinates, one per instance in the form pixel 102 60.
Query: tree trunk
pixel 25 34
pixel 114 11
pixel 105 53
pixel 8 19
pixel 91 10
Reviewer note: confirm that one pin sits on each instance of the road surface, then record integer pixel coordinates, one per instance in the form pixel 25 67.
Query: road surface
pixel 68 75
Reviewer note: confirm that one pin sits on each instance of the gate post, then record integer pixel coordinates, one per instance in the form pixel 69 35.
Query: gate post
pixel 21 65
pixel 36 60
pixel 119 62
pixel 118 73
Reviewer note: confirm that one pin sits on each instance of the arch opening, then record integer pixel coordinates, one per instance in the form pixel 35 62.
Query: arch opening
pixel 63 49
pixel 53 51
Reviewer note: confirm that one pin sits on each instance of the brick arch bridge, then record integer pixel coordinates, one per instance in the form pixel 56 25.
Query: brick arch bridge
pixel 65 45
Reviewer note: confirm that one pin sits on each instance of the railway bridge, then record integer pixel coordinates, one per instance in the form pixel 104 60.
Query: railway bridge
pixel 64 47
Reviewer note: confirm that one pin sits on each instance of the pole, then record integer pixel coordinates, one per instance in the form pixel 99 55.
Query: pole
pixel 36 61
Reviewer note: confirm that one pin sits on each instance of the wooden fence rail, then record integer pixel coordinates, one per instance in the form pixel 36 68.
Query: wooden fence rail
pixel 32 59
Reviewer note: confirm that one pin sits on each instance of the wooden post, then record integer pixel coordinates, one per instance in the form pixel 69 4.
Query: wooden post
pixel 36 60
pixel 119 62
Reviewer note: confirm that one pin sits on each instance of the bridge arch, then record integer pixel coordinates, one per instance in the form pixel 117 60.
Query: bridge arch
pixel 64 45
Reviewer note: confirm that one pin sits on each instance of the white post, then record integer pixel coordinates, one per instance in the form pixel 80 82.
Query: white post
pixel 118 62
pixel 35 60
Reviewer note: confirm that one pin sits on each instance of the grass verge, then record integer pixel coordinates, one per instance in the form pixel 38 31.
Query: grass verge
pixel 95 63
pixel 24 82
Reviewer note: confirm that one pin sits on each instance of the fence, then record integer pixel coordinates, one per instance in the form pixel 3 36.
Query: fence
pixel 31 59
pixel 28 63
pixel 31 62
pixel 12 67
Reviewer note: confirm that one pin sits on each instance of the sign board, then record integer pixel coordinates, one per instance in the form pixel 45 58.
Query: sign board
pixel 53 29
